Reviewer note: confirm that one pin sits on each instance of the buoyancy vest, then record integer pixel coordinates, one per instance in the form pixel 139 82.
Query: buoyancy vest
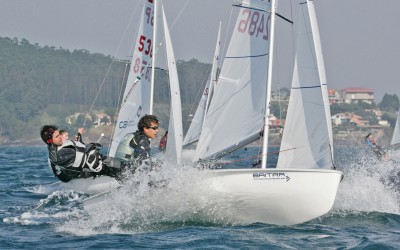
pixel 75 168
pixel 80 149
pixel 124 151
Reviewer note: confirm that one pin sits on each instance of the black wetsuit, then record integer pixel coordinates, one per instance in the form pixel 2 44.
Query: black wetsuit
pixel 61 162
pixel 66 166
pixel 141 146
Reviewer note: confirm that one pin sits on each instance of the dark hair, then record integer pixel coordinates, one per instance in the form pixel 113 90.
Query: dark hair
pixel 145 121
pixel 368 135
pixel 46 132
pixel 62 131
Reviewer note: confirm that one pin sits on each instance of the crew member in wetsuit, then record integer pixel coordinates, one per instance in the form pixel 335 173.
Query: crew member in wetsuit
pixel 378 150
pixel 71 159
pixel 147 129
pixel 134 149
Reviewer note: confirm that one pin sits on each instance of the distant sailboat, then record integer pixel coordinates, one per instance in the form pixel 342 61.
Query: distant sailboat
pixel 396 133
pixel 300 188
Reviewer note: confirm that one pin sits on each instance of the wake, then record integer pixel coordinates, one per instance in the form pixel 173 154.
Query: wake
pixel 369 185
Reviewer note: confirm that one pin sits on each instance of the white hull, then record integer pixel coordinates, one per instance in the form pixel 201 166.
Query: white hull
pixel 97 185
pixel 282 197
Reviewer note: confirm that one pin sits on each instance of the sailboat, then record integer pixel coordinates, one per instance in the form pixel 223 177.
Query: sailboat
pixel 393 152
pixel 396 133
pixel 138 99
pixel 194 131
pixel 304 184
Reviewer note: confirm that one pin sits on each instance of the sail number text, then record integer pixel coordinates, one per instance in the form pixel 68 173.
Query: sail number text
pixel 145 47
pixel 150 15
pixel 141 66
pixel 254 23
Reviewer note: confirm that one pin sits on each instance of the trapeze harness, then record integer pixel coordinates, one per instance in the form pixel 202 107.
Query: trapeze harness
pixel 87 162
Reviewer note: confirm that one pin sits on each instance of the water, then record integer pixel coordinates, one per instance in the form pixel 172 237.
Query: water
pixel 366 213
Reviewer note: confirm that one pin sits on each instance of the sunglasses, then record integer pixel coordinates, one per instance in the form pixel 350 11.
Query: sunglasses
pixel 153 128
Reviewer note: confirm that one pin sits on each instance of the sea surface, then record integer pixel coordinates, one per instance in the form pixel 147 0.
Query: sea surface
pixel 36 215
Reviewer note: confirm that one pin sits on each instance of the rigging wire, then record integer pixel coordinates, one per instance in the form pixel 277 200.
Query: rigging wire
pixel 199 92
pixel 157 49
pixel 131 52
pixel 113 60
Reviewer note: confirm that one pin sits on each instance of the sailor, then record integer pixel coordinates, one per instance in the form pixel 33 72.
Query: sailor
pixel 72 159
pixel 134 149
pixel 163 142
pixel 378 150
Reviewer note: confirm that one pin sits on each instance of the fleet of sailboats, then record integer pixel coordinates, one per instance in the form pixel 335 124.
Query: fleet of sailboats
pixel 304 184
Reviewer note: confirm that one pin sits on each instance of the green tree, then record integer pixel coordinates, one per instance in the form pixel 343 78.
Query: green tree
pixel 390 118
pixel 44 84
pixel 389 103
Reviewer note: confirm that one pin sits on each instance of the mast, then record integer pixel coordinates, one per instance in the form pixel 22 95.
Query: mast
pixel 269 84
pixel 153 61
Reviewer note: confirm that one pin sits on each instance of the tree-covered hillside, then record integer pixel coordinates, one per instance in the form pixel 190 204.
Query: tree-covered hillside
pixel 40 85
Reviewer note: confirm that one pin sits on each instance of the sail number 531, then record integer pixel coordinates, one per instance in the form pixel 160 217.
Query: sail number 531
pixel 254 23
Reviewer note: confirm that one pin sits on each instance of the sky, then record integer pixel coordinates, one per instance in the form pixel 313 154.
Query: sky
pixel 360 38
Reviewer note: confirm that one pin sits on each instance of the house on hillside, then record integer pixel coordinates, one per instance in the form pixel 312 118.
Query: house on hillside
pixel 102 119
pixel 349 119
pixel 357 95
pixel 334 96
pixel 97 120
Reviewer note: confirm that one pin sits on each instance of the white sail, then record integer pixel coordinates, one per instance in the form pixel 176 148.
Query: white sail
pixel 236 116
pixel 232 122
pixel 301 179
pixel 137 98
pixel 396 132
pixel 175 131
pixel 321 69
pixel 306 141
pixel 194 131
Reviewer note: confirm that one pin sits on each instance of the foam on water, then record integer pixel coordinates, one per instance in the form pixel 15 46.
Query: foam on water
pixel 42 189
pixel 59 205
pixel 173 197
pixel 153 201
pixel 369 185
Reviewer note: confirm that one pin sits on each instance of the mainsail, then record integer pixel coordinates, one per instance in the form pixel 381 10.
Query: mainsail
pixel 307 139
pixel 137 98
pixel 235 115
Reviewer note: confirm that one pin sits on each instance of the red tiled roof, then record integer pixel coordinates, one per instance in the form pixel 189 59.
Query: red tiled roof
pixel 331 91
pixel 357 90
